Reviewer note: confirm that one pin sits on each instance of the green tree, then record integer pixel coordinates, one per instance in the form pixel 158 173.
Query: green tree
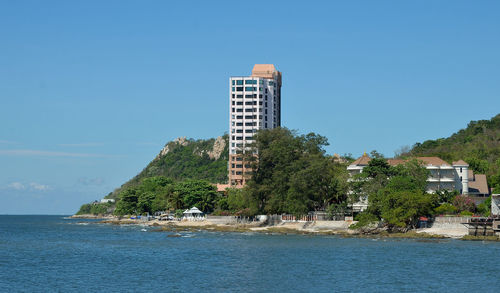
pixel 127 205
pixel 144 202
pixel 397 194
pixel 198 193
pixel 292 174
pixel 402 209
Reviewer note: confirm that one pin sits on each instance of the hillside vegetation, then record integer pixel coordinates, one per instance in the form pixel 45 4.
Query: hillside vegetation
pixel 478 145
pixel 184 159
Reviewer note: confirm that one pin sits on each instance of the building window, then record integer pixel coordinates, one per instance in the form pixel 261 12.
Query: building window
pixel 266 123
pixel 232 103
pixel 239 96
pixel 238 124
pixel 233 110
pixel 239 89
pixel 239 130
pixel 239 82
pixel 249 117
pixel 239 117
pixel 239 110
pixel 248 103
pixel 460 169
pixel 239 103
pixel 266 91
pixel 232 88
pixel 260 103
pixel 249 81
pixel 249 110
pixel 460 178
pixel 250 88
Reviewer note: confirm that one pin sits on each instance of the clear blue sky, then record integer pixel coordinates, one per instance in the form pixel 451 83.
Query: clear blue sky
pixel 91 90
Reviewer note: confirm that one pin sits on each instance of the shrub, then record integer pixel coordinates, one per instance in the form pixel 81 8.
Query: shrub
pixel 464 203
pixel 364 219
pixel 445 209
pixel 484 208
pixel 466 213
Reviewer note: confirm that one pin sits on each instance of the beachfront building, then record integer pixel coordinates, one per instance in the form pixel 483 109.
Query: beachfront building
pixel 254 103
pixel 443 176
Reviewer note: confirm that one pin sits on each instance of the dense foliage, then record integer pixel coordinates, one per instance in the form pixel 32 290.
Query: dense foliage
pixel 292 174
pixel 478 145
pixel 95 208
pixel 395 194
pixel 159 193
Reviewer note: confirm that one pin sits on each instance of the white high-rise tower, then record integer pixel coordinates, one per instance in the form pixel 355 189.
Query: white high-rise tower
pixel 254 103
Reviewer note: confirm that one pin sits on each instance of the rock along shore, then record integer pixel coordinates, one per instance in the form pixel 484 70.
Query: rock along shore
pixel 312 228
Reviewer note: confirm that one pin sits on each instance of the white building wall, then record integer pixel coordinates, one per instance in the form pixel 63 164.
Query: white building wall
pixel 253 105
pixel 462 179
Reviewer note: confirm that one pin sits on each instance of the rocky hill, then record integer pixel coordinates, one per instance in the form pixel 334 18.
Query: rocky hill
pixel 183 159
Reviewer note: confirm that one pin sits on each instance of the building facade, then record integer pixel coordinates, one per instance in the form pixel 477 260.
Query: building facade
pixel 254 103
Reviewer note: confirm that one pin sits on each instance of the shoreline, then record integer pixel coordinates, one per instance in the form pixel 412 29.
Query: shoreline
pixel 339 228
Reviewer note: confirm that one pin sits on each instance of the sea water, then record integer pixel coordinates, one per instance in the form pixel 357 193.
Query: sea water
pixel 54 253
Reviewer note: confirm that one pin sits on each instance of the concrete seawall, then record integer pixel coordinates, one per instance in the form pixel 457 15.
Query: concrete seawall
pixel 448 226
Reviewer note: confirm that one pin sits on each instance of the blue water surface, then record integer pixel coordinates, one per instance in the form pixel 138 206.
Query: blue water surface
pixel 53 253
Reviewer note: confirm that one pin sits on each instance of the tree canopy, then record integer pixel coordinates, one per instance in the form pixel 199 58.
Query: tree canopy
pixel 292 174
pixel 160 194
